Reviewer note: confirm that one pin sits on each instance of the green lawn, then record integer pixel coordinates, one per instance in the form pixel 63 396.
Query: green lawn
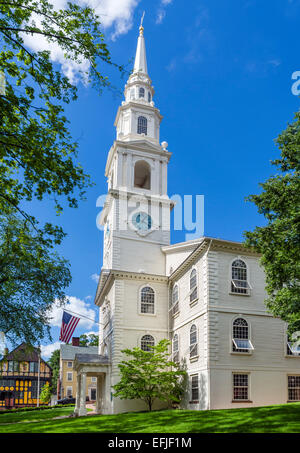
pixel 269 419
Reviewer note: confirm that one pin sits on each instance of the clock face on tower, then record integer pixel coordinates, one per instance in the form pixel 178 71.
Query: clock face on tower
pixel 142 221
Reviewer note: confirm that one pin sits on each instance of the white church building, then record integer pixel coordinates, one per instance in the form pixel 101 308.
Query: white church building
pixel 205 295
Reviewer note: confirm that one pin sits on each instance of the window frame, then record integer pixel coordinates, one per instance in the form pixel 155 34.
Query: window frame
pixel 195 288
pixel 142 125
pixel 69 373
pixel 141 339
pixel 249 288
pixel 142 90
pixel 69 362
pixel 174 308
pixel 140 312
pixel 241 400
pixel 175 352
pixel 195 345
pixel 296 387
pixel 193 388
pixel 241 351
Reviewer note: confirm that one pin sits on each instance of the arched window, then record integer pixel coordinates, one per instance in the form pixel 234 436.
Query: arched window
pixel 239 281
pixel 142 125
pixel 193 285
pixel 175 300
pixel 147 341
pixel 141 92
pixel 175 348
pixel 142 175
pixel 147 300
pixel 193 341
pixel 149 96
pixel 240 336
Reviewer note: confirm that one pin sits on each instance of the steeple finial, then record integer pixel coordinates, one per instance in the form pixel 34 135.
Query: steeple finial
pixel 140 64
pixel 141 26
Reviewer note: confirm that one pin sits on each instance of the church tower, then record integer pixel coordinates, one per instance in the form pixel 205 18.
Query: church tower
pixel 136 214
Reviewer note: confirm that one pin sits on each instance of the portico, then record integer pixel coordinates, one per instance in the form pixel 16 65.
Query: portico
pixel 92 365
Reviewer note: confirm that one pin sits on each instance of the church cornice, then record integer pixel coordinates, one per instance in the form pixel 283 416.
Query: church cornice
pixel 209 244
pixel 111 275
pixel 136 105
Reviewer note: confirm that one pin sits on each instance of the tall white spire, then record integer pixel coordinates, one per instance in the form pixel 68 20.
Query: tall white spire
pixel 140 63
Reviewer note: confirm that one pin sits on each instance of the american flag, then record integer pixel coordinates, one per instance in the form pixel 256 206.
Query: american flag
pixel 68 326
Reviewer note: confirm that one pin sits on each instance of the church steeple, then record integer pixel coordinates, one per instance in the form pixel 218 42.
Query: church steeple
pixel 137 115
pixel 140 63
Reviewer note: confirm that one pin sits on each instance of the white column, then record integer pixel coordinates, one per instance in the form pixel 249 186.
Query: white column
pixel 164 179
pixel 98 394
pixel 107 390
pixel 77 404
pixel 82 407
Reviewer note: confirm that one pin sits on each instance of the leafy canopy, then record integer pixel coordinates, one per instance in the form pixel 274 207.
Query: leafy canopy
pixel 150 376
pixel 31 278
pixel 54 364
pixel 89 340
pixel 38 156
pixel 279 240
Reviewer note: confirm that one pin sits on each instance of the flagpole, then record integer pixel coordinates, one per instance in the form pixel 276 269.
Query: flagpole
pixel 79 314
pixel 38 386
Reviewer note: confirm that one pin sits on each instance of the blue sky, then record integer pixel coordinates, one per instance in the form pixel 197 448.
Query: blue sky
pixel 222 72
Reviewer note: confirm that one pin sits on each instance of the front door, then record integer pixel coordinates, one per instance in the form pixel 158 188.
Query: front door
pixel 93 394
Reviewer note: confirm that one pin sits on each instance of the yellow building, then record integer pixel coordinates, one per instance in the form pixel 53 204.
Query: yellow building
pixel 22 373
pixel 66 386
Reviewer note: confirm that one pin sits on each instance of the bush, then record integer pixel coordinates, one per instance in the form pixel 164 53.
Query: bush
pixel 41 408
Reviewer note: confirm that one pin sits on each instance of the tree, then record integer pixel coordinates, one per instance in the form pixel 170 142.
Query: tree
pixel 54 364
pixel 45 395
pixel 31 278
pixel 150 375
pixel 89 340
pixel 279 240
pixel 38 156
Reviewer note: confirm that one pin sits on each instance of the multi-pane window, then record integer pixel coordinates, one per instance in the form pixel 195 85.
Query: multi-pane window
pixel 69 391
pixel 33 367
pixel 69 376
pixel 10 365
pixel 142 125
pixel 132 93
pixel 239 282
pixel 175 300
pixel 292 347
pixel 240 336
pixel 193 341
pixel 147 300
pixel 141 92
pixel 193 285
pixel 241 387
pixel 194 387
pixel 175 348
pixel 294 388
pixel 146 342
pixel 70 364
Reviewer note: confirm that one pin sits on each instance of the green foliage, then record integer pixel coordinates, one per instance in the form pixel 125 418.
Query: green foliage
pixel 150 375
pixel 279 240
pixel 38 157
pixel 89 340
pixel 45 395
pixel 54 364
pixel 30 279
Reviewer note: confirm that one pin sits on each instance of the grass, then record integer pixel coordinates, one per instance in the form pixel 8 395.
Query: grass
pixel 268 419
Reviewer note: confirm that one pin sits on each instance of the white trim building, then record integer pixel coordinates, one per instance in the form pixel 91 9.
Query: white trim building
pixel 235 352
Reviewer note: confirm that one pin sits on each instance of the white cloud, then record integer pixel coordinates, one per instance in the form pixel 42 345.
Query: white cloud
pixel 161 13
pixel 95 277
pixel 114 14
pixel 77 308
pixel 47 350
